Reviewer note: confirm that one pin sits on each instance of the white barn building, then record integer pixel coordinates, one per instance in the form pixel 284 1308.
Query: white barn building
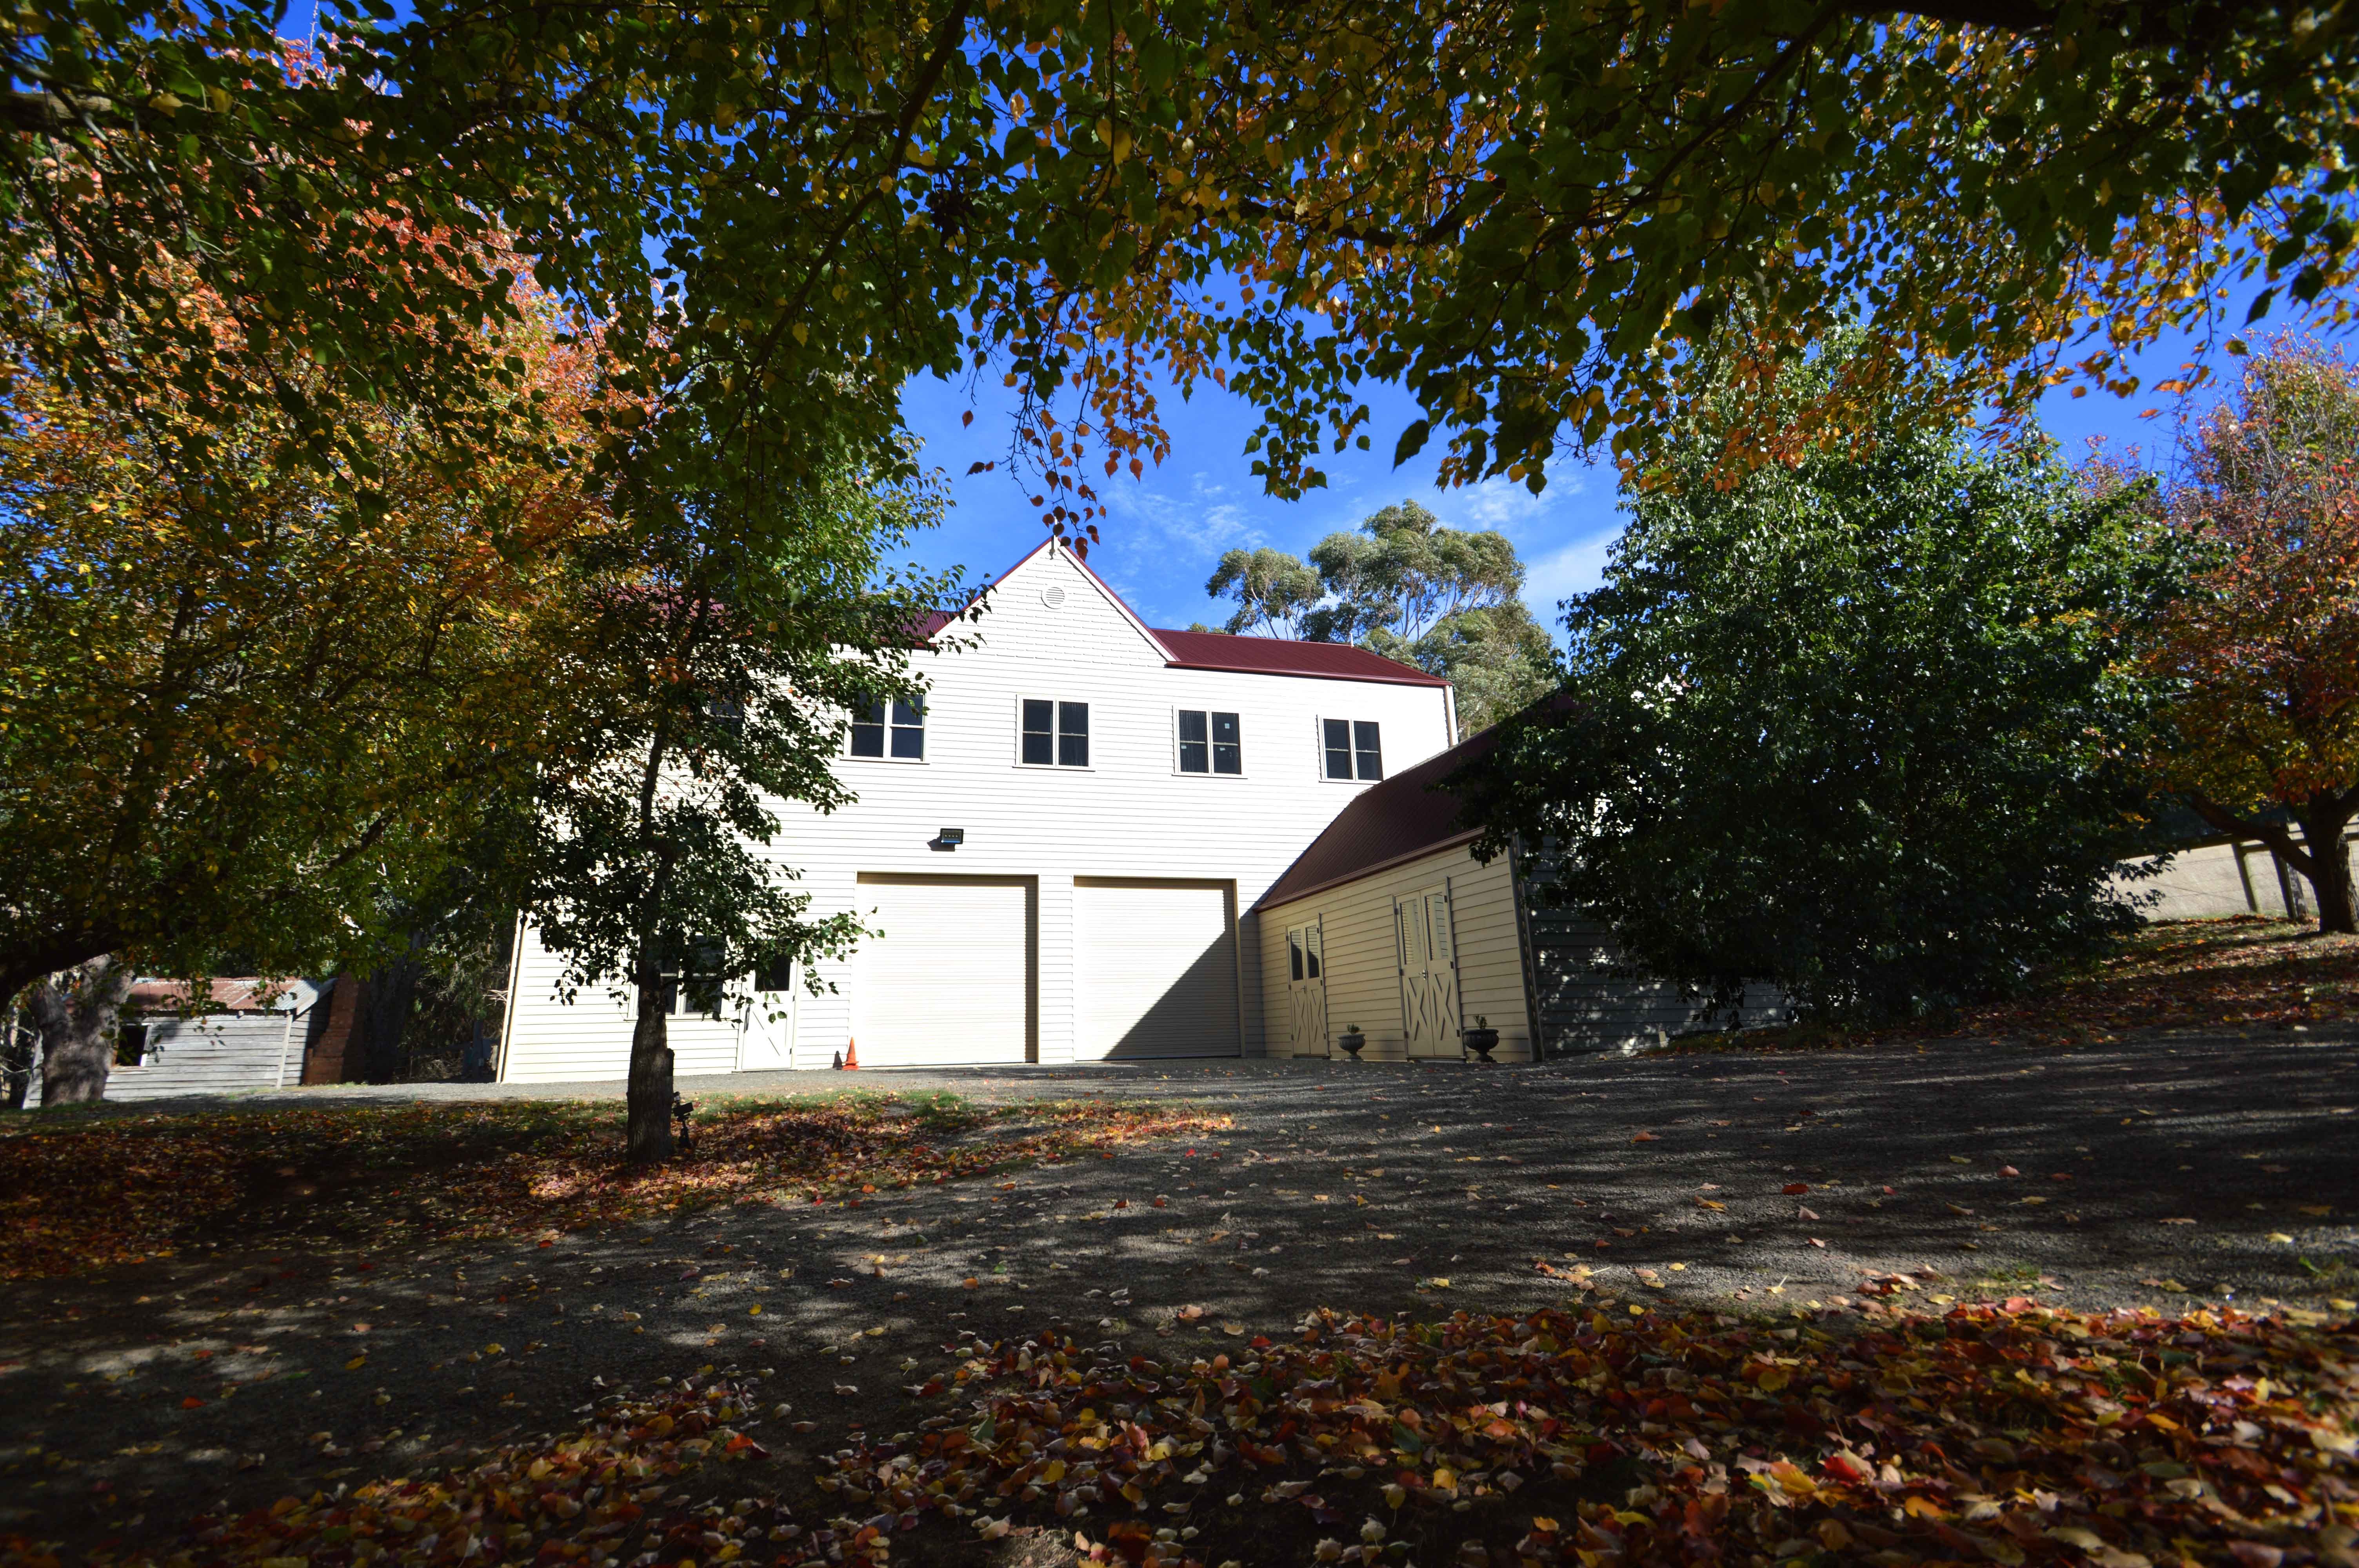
pixel 1058 853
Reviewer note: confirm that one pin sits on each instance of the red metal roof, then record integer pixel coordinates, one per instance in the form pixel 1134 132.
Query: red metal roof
pixel 1399 819
pixel 1277 657
pixel 1218 651
pixel 1403 817
pixel 241 995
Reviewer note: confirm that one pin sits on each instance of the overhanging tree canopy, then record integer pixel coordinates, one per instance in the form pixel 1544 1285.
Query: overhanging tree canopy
pixel 1519 209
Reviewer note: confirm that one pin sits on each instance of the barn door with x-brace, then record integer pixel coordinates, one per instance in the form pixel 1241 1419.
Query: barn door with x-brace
pixel 1305 988
pixel 1428 971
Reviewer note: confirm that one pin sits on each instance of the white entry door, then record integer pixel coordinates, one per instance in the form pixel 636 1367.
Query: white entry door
pixel 1429 972
pixel 1155 968
pixel 765 1026
pixel 1306 990
pixel 948 979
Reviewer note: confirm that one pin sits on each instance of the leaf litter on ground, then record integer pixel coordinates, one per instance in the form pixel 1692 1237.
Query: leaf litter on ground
pixel 2240 972
pixel 102 1193
pixel 2005 1433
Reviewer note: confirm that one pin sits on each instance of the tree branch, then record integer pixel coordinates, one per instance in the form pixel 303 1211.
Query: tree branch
pixel 2273 834
pixel 46 113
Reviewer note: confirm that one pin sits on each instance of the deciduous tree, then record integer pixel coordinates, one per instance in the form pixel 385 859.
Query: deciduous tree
pixel 1862 728
pixel 77 1011
pixel 2264 655
pixel 238 708
pixel 1527 215
pixel 735 629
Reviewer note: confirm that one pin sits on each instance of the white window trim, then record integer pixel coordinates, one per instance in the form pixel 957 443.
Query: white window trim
pixel 925 727
pixel 1319 751
pixel 1178 772
pixel 1018 713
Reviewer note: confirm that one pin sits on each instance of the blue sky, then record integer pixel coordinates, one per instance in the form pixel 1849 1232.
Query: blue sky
pixel 1167 531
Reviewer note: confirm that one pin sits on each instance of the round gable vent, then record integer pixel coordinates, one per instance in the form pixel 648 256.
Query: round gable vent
pixel 1053 595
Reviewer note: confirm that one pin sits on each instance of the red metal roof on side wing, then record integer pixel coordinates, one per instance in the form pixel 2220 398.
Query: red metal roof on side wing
pixel 1276 656
pixel 1402 817
pixel 1406 816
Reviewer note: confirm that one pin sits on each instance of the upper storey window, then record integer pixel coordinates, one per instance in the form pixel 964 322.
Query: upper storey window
pixel 897 729
pixel 1210 742
pixel 1353 748
pixel 1056 734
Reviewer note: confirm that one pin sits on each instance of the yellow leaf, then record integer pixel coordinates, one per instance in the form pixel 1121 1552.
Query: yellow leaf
pixel 356 1363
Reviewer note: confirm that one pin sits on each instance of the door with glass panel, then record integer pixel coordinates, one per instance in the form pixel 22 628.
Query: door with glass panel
pixel 1428 971
pixel 1306 990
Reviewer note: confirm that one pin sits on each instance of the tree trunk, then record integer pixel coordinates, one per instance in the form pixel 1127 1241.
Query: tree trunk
pixel 2323 820
pixel 75 1011
pixel 16 1054
pixel 648 1140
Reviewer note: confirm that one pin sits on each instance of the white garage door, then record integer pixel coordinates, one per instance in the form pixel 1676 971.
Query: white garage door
pixel 948 981
pixel 1156 969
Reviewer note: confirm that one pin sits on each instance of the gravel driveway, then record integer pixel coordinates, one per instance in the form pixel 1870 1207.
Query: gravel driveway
pixel 2152 1172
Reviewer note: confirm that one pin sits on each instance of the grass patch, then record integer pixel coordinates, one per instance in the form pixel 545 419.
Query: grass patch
pixel 90 1193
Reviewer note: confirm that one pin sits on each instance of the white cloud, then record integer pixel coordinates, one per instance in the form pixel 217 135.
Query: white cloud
pixel 1576 569
pixel 1199 520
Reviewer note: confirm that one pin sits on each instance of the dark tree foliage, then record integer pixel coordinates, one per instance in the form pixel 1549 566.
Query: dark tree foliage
pixel 1856 728
pixel 738 628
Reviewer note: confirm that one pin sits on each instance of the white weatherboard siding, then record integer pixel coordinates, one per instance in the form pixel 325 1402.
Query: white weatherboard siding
pixel 1359 931
pixel 1156 969
pixel 1130 817
pixel 946 981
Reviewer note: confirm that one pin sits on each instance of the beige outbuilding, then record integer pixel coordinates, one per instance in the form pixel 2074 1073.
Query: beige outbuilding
pixel 1388 923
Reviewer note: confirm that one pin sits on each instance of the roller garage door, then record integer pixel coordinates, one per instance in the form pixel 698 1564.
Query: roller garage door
pixel 1155 968
pixel 949 980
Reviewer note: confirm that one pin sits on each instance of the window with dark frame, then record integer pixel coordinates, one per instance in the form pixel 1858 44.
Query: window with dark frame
pixel 895 728
pixel 1056 734
pixel 131 1045
pixel 692 982
pixel 1353 748
pixel 1210 742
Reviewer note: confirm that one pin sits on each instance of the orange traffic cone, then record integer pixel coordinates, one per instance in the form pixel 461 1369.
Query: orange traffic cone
pixel 852 1056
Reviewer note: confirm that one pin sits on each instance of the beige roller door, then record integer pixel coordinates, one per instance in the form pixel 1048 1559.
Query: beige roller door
pixel 949 979
pixel 1155 968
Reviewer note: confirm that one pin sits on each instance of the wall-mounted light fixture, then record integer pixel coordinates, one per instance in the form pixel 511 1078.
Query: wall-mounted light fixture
pixel 949 838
